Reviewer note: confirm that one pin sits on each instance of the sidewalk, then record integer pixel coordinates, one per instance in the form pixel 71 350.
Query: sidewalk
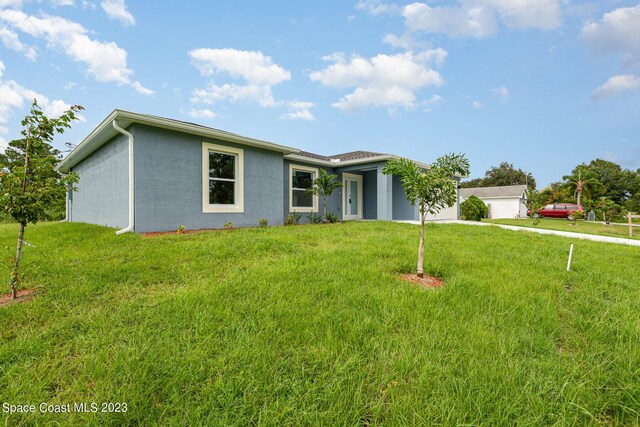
pixel 583 236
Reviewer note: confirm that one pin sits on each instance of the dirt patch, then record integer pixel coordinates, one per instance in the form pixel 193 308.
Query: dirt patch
pixel 22 296
pixel 427 282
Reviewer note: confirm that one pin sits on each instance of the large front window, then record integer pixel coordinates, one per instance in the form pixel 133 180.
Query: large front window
pixel 300 197
pixel 222 178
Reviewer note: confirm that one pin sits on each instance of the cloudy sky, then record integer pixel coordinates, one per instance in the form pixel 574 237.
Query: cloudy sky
pixel 543 84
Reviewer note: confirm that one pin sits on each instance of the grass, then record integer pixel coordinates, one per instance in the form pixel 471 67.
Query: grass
pixel 581 226
pixel 310 325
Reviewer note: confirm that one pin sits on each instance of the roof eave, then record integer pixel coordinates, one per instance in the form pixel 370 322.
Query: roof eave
pixel 103 132
pixel 344 163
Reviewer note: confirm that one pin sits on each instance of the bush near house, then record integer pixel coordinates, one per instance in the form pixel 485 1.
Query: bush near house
pixel 473 209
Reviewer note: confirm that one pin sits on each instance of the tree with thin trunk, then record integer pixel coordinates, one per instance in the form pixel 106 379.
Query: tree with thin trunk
pixel 581 181
pixel 29 182
pixel 431 189
pixel 324 185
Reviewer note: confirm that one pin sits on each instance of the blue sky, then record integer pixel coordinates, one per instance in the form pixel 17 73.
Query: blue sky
pixel 543 84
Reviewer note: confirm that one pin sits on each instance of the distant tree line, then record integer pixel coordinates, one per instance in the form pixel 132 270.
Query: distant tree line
pixel 601 185
pixel 501 175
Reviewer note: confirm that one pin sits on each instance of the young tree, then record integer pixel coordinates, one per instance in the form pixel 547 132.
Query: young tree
pixel 582 180
pixel 29 183
pixel 324 186
pixel 431 189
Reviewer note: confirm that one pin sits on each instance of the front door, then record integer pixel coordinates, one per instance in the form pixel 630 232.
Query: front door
pixel 352 196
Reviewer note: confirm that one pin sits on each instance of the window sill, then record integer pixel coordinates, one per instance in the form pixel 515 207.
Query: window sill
pixel 305 210
pixel 222 209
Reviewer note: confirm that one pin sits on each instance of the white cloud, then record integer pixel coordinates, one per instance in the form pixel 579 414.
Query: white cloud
pixel 257 74
pixel 617 32
pixel 434 100
pixel 14 96
pixel 11 41
pixel 616 85
pixel 60 3
pixel 106 62
pixel 406 41
pixel 502 92
pixel 478 21
pixel 252 93
pixel 203 113
pixel 476 104
pixel 376 7
pixel 15 4
pixel 117 10
pixel 253 76
pixel 252 66
pixel 478 18
pixel 299 110
pixel 523 14
pixel 389 81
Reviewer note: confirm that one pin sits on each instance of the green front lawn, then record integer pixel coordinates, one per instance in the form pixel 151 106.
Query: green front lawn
pixel 579 227
pixel 310 325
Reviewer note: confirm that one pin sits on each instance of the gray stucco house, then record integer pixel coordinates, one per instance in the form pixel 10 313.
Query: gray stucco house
pixel 144 173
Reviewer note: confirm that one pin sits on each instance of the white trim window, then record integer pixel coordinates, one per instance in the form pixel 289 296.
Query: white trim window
pixel 300 182
pixel 222 178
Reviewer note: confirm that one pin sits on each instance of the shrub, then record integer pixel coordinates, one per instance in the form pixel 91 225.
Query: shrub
pixel 228 225
pixel 332 218
pixel 575 215
pixel 473 209
pixel 180 230
pixel 314 218
pixel 293 218
pixel 263 222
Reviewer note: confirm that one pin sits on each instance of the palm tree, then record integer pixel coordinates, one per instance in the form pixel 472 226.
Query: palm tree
pixel 606 205
pixel 323 186
pixel 581 181
pixel 431 189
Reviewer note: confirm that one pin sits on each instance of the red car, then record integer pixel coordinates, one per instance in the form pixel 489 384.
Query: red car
pixel 559 210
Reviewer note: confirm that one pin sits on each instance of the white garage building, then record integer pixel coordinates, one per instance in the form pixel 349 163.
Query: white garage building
pixel 509 201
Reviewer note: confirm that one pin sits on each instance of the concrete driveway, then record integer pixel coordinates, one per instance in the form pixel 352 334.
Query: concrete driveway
pixel 592 237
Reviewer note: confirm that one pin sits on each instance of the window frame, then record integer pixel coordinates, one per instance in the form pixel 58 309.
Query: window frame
pixel 238 153
pixel 314 175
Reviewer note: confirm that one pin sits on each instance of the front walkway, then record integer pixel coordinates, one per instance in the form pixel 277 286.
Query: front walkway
pixel 592 237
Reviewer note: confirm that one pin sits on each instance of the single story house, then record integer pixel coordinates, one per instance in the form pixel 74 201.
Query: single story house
pixel 144 173
pixel 509 201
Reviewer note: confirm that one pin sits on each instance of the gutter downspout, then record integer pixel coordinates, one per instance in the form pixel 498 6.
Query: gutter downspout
pixel 129 228
pixel 66 207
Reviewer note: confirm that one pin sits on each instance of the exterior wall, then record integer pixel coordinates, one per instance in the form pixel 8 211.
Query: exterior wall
pixel 334 202
pixel 384 195
pixel 402 209
pixel 503 208
pixel 524 211
pixel 450 213
pixel 103 189
pixel 369 195
pixel 168 183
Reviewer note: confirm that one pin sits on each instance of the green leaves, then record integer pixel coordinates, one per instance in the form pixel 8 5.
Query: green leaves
pixel 325 184
pixel 434 188
pixel 29 183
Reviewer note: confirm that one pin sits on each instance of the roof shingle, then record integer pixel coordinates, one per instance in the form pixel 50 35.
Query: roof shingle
pixel 503 191
pixel 352 155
